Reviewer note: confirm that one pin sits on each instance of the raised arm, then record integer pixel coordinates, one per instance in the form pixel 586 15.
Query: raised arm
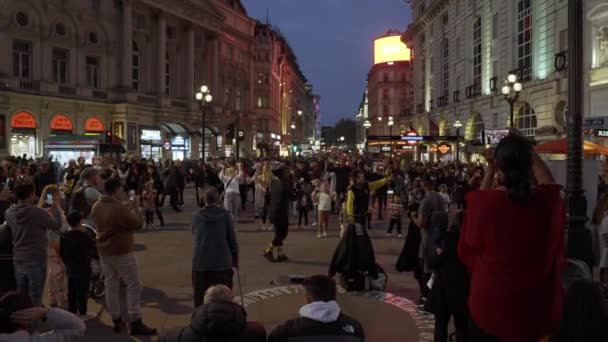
pixel 541 171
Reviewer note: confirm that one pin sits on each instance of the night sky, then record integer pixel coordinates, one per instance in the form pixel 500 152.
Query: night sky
pixel 333 40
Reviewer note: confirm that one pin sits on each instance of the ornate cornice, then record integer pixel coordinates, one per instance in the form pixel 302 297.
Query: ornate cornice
pixel 199 12
pixel 431 13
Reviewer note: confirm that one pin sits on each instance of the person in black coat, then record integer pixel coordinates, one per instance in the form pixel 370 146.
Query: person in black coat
pixel 353 256
pixel 451 284
pixel 281 194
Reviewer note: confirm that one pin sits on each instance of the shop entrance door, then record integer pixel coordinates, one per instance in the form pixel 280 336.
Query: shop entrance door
pixel 23 143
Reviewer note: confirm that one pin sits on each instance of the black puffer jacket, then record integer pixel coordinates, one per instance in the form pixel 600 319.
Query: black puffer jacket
pixel 219 321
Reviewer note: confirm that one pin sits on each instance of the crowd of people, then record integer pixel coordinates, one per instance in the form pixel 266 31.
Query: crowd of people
pixel 484 242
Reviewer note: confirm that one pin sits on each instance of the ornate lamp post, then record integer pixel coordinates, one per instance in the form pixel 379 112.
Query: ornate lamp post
pixel 293 137
pixel 458 126
pixel 380 125
pixel 390 132
pixel 367 125
pixel 204 99
pixel 511 91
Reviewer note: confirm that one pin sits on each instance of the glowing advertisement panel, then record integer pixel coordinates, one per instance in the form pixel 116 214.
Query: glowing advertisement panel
pixel 390 49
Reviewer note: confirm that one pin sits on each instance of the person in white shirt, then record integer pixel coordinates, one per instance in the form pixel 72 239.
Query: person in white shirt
pixel 230 177
pixel 324 206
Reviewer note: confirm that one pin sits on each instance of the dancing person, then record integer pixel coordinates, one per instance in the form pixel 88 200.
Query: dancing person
pixel 262 180
pixel 230 177
pixel 281 195
pixel 324 207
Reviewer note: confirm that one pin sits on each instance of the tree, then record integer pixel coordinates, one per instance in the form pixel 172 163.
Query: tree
pixel 343 128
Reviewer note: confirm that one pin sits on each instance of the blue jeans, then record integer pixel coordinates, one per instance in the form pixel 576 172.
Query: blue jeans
pixel 31 276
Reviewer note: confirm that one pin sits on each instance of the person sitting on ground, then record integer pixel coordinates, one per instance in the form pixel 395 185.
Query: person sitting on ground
pixel 215 246
pixel 218 319
pixel 17 315
pixel 320 317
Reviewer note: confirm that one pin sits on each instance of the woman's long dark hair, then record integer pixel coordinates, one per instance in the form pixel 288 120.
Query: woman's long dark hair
pixel 585 314
pixel 514 159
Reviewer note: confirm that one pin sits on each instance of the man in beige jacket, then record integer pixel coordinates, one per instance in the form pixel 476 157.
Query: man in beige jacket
pixel 116 223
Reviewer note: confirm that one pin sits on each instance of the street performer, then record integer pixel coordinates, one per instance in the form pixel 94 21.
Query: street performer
pixel 281 194
pixel 357 199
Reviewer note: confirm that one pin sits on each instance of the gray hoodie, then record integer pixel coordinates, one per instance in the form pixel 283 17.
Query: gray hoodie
pixel 215 244
pixel 29 227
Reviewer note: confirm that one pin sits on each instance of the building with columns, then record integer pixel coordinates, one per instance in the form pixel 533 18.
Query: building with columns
pixel 74 68
pixel 465 49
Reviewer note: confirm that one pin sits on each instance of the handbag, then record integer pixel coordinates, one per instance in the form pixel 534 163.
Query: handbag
pixel 223 194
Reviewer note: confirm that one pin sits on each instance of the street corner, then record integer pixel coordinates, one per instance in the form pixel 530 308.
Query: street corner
pixel 385 316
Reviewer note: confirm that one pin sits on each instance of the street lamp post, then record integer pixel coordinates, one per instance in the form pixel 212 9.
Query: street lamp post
pixel 458 126
pixel 390 133
pixel 511 91
pixel 380 125
pixel 204 99
pixel 293 132
pixel 579 238
pixel 367 125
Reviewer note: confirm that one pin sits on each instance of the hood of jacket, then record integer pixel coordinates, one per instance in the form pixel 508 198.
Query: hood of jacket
pixel 211 215
pixel 19 214
pixel 324 312
pixel 219 319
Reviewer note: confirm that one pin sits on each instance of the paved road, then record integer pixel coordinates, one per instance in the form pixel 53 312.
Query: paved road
pixel 164 258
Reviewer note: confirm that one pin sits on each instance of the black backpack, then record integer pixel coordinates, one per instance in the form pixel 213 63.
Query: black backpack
pixel 80 203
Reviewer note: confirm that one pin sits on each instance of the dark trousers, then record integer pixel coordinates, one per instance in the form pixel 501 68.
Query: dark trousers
pixel 78 292
pixel 422 278
pixel 475 334
pixel 395 221
pixel 202 281
pixel 302 213
pixel 157 206
pixel 281 228
pixel 264 213
pixel 442 320
pixel 181 195
pixel 149 216
pixel 243 191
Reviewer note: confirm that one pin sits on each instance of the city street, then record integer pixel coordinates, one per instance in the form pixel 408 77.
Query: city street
pixel 164 258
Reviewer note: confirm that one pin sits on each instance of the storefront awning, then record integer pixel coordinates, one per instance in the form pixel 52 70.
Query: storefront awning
pixel 175 129
pixel 561 147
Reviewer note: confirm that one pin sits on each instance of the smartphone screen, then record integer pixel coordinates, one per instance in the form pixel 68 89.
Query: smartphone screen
pixel 49 199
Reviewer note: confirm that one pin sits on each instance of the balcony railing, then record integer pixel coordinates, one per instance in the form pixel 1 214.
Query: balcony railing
pixel 179 104
pixel 456 96
pixel 561 61
pixel 100 94
pixel 420 108
pixel 30 85
pixel 65 90
pixel 473 90
pixel 523 74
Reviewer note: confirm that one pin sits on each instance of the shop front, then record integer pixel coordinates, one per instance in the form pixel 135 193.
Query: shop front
pixel 151 143
pixel 23 134
pixel 93 126
pixel 179 141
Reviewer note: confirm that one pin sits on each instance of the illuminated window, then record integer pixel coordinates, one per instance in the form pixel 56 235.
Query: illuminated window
pixel 477 127
pixel 135 67
pixel 260 103
pixel 446 67
pixel 477 51
pixel 526 120
pixel 524 33
pixel 22 59
pixel 60 65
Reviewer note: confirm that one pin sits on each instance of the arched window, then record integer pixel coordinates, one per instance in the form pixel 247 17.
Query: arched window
pixel 526 120
pixel 477 126
pixel 167 75
pixel 477 52
pixel 136 65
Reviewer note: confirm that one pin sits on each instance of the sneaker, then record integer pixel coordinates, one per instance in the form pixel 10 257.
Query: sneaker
pixel 400 236
pixel 389 234
pixel 319 236
pixel 118 324
pixel 269 256
pixel 282 258
pixel 324 234
pixel 138 328
pixel 314 224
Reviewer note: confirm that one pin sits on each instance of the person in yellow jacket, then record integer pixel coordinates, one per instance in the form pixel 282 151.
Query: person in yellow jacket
pixel 357 198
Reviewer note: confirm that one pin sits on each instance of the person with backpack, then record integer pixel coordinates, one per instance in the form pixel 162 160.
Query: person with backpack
pixel 87 194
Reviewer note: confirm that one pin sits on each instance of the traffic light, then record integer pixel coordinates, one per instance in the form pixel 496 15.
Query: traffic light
pixel 108 137
pixel 241 135
pixel 229 134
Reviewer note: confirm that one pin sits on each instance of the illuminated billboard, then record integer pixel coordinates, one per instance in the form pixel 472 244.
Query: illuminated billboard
pixel 390 49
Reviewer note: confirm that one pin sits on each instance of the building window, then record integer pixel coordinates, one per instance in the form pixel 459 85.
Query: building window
pixel 385 93
pixel 60 65
pixel 92 72
pixel 237 103
pixel 477 51
pixel 477 127
pixel 526 120
pixel 524 33
pixel 136 63
pixel 22 19
pixel 93 38
pixel 167 75
pixel 385 77
pixel 495 120
pixel 495 26
pixel 22 59
pixel 60 29
pixel 446 67
pixel 260 102
pixel 403 78
pixel 385 110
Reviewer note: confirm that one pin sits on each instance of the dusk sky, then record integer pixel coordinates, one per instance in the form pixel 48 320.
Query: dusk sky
pixel 333 40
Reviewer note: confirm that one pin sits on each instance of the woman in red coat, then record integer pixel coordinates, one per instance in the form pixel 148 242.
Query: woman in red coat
pixel 513 246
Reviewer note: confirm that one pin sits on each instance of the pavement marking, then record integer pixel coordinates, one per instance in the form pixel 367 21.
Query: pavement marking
pixel 425 322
